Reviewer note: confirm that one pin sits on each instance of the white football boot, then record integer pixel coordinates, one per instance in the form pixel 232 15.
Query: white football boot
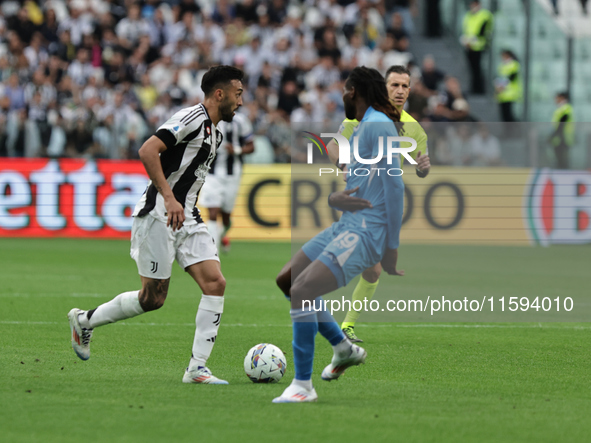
pixel 80 336
pixel 296 394
pixel 343 360
pixel 202 376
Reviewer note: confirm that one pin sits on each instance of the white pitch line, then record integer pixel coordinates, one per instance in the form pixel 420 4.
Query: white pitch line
pixel 395 325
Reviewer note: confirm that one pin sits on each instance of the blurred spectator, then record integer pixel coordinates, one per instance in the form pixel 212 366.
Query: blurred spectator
pixel 485 148
pixel 328 46
pixel 357 54
pixel 398 32
pixel 478 26
pixel 22 25
pixel 388 55
pixel 288 98
pixel 147 93
pixel 49 28
pixel 117 70
pixel 80 69
pixel 457 149
pixel 431 76
pixel 456 107
pixel 104 140
pixel 418 102
pixel 247 11
pixel 508 84
pixel 38 116
pixel 15 93
pixel 563 136
pixel 131 28
pixel 304 114
pixel 65 49
pixel 35 52
pixel 406 9
pixel 223 12
pixel 79 23
pixel 324 73
pixel 79 140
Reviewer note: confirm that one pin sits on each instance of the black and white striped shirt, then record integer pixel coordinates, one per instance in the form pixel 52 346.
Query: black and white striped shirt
pixel 191 140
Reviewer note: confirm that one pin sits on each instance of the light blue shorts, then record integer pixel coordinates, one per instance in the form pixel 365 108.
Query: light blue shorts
pixel 347 251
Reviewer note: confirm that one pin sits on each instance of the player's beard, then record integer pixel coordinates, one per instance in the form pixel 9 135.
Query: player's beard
pixel 350 110
pixel 226 112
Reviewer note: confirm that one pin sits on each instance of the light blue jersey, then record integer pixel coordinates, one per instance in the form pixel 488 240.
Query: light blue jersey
pixel 359 239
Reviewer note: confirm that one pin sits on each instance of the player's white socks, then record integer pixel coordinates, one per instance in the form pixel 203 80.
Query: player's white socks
pixel 123 306
pixel 207 321
pixel 343 349
pixel 215 230
pixel 306 384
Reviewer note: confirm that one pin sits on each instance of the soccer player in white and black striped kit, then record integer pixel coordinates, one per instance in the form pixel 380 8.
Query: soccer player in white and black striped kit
pixel 167 224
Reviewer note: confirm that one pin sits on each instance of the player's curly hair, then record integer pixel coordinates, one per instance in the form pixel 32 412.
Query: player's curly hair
pixel 219 76
pixel 370 84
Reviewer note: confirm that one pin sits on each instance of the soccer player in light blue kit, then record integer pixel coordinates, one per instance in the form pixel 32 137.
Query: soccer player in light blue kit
pixel 366 234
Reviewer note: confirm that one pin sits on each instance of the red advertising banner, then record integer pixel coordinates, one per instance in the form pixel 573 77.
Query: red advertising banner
pixel 69 198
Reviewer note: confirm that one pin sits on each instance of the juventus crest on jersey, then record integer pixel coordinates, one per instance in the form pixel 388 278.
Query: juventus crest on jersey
pixel 191 142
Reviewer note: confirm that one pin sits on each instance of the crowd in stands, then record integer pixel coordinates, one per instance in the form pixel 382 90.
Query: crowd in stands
pixel 95 78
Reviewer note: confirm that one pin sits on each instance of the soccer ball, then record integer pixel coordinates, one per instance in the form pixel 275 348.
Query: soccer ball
pixel 265 363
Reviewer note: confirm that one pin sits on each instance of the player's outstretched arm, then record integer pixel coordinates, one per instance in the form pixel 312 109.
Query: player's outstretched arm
pixel 150 156
pixel 389 262
pixel 343 201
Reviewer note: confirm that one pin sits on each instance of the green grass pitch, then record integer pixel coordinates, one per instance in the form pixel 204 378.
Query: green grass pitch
pixel 421 383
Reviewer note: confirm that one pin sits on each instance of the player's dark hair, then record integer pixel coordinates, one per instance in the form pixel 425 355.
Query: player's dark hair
pixel 218 77
pixel 370 85
pixel 397 69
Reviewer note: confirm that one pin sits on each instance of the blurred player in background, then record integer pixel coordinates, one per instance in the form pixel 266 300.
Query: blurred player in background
pixel 167 224
pixel 367 233
pixel 398 85
pixel 220 190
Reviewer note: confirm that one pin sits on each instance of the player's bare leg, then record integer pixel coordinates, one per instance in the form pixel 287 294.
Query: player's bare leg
pixel 124 306
pixel 365 289
pixel 208 276
pixel 291 270
pixel 213 226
